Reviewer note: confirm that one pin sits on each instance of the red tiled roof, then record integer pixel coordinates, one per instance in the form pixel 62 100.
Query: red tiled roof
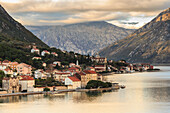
pixel 99 66
pixel 5 61
pixel 7 70
pixel 24 77
pixel 36 49
pixel 74 79
pixel 73 68
pixel 59 73
pixel 89 72
pixel 46 51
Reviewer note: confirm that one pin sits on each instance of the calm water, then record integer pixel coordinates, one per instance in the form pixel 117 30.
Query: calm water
pixel 147 92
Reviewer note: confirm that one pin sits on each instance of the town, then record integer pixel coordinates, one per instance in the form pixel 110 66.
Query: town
pixel 20 77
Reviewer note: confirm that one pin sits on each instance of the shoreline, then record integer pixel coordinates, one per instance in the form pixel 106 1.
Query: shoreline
pixel 60 91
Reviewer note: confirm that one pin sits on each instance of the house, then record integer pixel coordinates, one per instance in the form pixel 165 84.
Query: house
pixel 6 62
pixel 43 53
pixel 36 58
pixel 72 65
pixel 8 71
pixel 40 74
pixel 24 69
pixel 99 77
pixel 73 69
pixel 3 66
pixel 54 53
pixel 82 76
pixel 27 83
pixel 13 65
pixel 100 68
pixel 35 50
pixel 73 81
pixel 99 60
pixel 11 84
pixel 44 64
pixel 90 75
pixel 85 76
pixel 60 76
pixel 90 68
pixel 57 63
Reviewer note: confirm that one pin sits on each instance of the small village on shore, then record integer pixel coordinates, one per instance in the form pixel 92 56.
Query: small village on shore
pixel 21 78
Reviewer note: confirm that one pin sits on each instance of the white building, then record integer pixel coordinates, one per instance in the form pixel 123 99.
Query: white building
pixel 36 58
pixel 61 76
pixel 57 63
pixel 54 53
pixel 35 50
pixel 3 66
pixel 40 74
pixel 73 81
pixel 44 52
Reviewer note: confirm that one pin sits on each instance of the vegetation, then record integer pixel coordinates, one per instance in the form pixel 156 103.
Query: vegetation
pixel 46 89
pixel 98 84
pixel 2 75
pixel 47 82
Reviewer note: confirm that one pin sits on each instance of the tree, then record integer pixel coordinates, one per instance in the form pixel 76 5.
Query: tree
pixel 98 84
pixel 46 89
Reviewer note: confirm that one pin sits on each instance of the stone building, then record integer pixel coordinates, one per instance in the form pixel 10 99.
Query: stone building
pixel 11 85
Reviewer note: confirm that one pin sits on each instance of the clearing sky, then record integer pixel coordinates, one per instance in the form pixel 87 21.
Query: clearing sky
pixel 124 13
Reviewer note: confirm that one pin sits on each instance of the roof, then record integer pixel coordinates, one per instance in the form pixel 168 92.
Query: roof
pixel 25 65
pixel 99 66
pixel 14 63
pixel 89 72
pixel 62 73
pixel 46 51
pixel 35 49
pixel 7 70
pixel 72 68
pixel 24 77
pixel 6 61
pixel 74 79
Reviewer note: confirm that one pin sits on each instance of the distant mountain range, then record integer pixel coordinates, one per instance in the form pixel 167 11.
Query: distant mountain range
pixel 151 43
pixel 83 38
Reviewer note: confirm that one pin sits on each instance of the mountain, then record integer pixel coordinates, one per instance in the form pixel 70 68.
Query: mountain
pixel 12 31
pixel 16 42
pixel 15 39
pixel 150 43
pixel 84 38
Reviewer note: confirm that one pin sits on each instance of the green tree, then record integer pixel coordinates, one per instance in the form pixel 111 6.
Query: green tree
pixel 46 89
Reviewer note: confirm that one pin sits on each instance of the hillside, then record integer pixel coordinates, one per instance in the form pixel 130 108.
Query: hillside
pixel 151 43
pixel 16 42
pixel 83 38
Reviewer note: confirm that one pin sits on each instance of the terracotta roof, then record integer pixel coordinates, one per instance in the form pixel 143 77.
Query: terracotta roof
pixel 24 77
pixel 89 72
pixel 46 51
pixel 6 61
pixel 62 73
pixel 7 70
pixel 74 79
pixel 36 49
pixel 99 66
pixel 72 68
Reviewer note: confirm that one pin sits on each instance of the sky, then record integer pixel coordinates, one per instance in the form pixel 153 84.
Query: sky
pixel 124 13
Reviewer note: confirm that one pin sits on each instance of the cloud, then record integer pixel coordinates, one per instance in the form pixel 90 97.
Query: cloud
pixel 40 12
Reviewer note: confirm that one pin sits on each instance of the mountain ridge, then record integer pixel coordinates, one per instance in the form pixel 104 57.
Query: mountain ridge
pixel 83 38
pixel 149 43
